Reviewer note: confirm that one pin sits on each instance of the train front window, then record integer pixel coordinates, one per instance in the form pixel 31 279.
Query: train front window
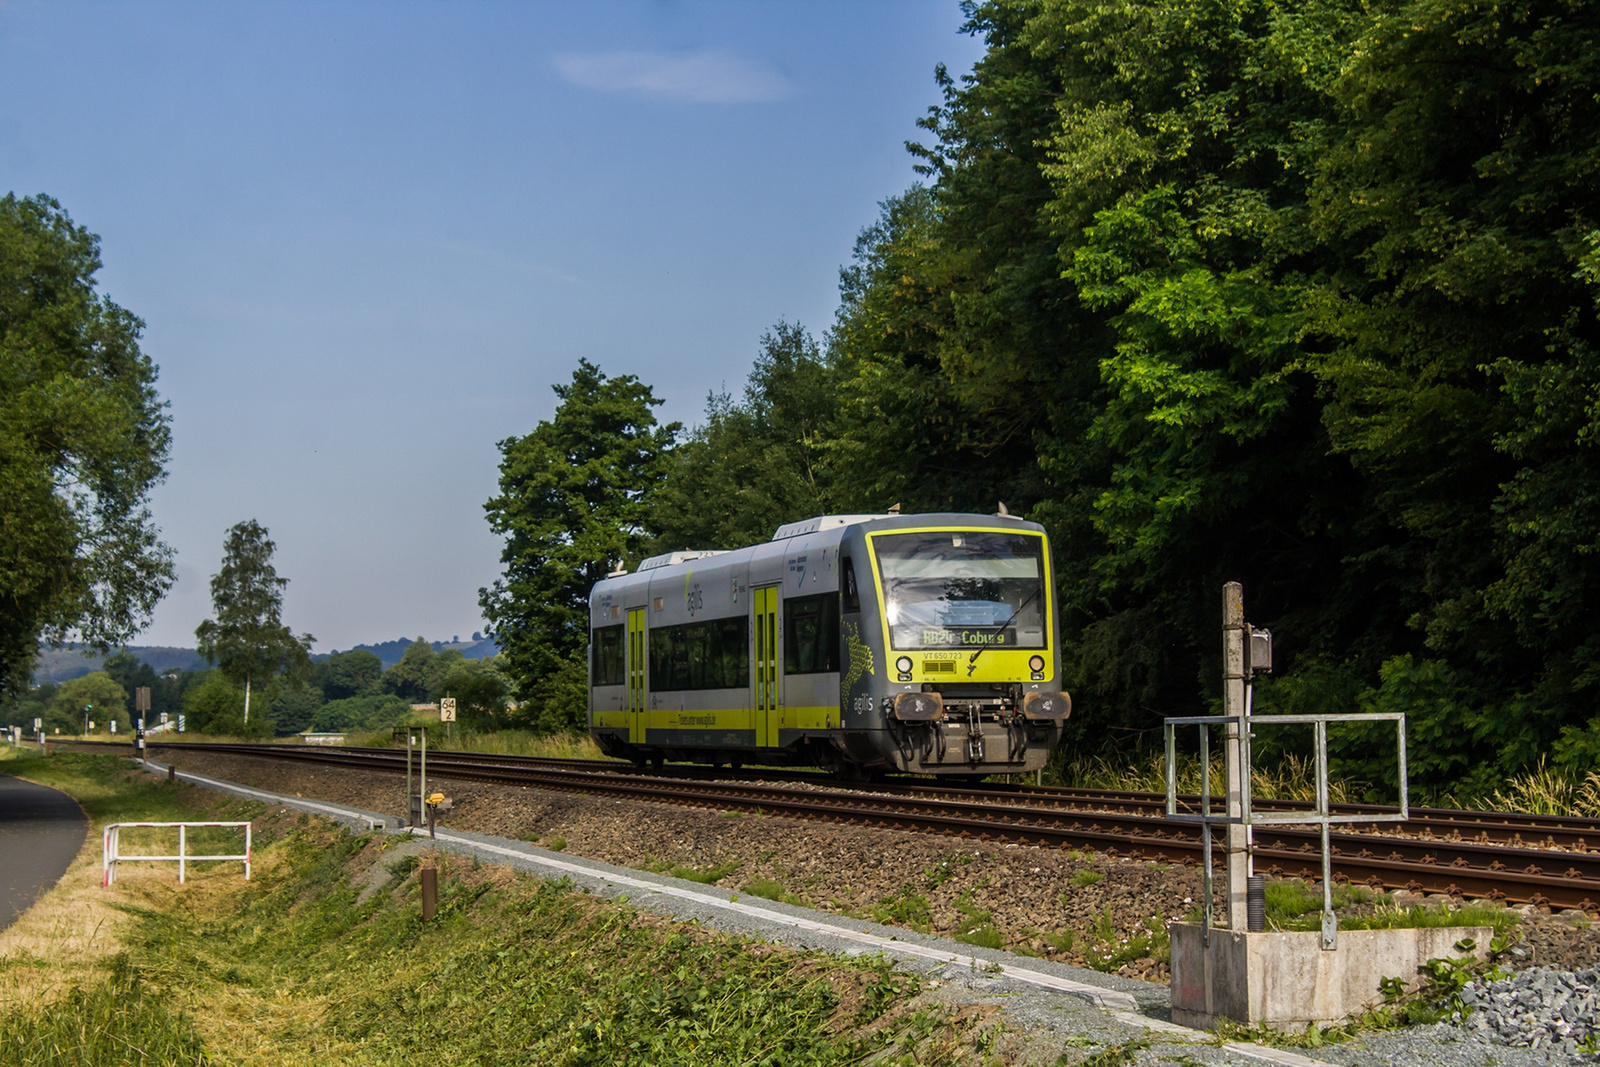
pixel 963 589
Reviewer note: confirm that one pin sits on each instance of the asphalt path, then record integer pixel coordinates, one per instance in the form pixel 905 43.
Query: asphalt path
pixel 41 831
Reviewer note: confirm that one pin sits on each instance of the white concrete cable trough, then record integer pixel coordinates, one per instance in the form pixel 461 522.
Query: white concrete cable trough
pixel 111 848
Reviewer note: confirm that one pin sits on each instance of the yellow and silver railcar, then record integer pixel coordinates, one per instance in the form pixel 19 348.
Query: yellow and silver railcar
pixel 862 643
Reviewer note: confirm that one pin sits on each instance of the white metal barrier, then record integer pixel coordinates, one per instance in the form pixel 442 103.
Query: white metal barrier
pixel 111 842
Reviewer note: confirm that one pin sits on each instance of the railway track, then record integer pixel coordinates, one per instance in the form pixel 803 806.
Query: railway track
pixel 1470 854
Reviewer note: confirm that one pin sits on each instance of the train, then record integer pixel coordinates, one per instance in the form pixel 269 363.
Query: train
pixel 862 644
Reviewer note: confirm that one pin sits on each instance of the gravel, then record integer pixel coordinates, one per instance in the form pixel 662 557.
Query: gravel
pixel 1535 1008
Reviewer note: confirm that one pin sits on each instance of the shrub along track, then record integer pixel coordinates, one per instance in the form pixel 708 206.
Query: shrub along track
pixel 1431 853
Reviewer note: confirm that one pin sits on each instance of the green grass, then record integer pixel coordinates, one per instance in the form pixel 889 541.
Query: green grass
pixel 1085 878
pixel 1115 1056
pixel 1292 905
pixel 905 908
pixel 1292 778
pixel 1105 950
pixel 118 1020
pixel 977 925
pixel 1062 941
pixel 945 869
pixel 288 968
pixel 716 872
pixel 768 889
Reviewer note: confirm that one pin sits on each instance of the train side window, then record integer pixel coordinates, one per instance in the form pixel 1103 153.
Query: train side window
pixel 847 584
pixel 811 634
pixel 608 666
pixel 711 654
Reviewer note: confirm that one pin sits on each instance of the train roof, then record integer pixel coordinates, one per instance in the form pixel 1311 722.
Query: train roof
pixel 831 529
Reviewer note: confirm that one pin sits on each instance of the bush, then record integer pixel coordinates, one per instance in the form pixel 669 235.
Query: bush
pixel 557 702
pixel 214 705
pixel 360 713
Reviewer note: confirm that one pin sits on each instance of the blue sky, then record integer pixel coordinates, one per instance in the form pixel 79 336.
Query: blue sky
pixel 366 239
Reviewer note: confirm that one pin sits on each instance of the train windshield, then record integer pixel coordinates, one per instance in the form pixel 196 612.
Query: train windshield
pixel 963 589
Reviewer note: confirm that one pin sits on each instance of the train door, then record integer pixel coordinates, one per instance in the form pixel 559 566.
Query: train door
pixel 764 617
pixel 636 676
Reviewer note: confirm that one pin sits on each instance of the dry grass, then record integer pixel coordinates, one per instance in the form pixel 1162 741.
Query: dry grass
pixel 499 743
pixel 1543 791
pixel 1292 778
pixel 523 743
pixel 72 927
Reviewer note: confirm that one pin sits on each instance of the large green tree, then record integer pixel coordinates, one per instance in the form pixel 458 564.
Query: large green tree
pixel 342 675
pixel 571 507
pixel 248 640
pixel 1458 199
pixel 757 463
pixel 83 439
pixel 1298 294
pixel 96 697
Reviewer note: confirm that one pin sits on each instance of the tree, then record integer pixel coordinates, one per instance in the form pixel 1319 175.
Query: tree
pixel 83 439
pixel 478 689
pixel 419 671
pixel 132 673
pixel 96 691
pixel 764 460
pixel 348 674
pixel 214 704
pixel 247 639
pixel 571 507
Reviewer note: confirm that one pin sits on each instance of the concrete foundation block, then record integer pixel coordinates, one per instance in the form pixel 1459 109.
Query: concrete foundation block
pixel 1285 979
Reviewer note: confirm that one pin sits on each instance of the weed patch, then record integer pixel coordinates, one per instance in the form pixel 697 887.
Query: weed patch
pixel 767 889
pixel 906 909
pixel 977 926
pixel 1292 905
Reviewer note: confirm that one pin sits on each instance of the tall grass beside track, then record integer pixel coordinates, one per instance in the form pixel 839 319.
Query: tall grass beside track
pixel 1541 791
pixel 296 967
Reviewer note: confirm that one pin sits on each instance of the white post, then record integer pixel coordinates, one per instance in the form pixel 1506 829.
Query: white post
pixel 183 840
pixel 1233 703
pixel 247 700
pixel 247 829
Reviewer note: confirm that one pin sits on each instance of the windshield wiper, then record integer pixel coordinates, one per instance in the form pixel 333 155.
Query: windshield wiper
pixel 972 662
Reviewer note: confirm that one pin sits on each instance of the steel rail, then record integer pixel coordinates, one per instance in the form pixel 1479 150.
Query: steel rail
pixel 1468 868
pixel 1447 824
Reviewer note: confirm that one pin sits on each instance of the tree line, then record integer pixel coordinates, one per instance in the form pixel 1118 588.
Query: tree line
pixel 343 692
pixel 1301 295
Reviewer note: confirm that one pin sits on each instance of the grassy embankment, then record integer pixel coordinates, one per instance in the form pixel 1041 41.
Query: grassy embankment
pixel 323 957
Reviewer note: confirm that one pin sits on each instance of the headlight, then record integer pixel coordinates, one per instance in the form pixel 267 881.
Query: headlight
pixel 1036 663
pixel 903 664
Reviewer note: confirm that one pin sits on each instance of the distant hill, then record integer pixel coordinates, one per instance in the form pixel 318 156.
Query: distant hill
pixel 57 665
pixel 479 647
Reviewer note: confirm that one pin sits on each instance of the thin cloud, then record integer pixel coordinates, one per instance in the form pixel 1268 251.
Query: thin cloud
pixel 703 77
